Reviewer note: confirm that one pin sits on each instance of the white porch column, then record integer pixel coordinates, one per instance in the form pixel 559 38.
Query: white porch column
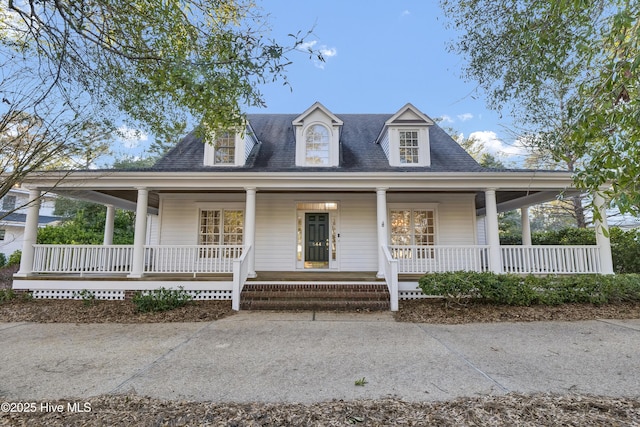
pixel 250 229
pixel 30 234
pixel 602 236
pixel 381 217
pixel 526 226
pixel 140 236
pixel 108 225
pixel 493 234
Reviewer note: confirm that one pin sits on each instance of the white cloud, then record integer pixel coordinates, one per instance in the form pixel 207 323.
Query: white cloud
pixel 466 116
pixel 446 119
pixel 130 137
pixel 324 50
pixel 328 52
pixel 306 46
pixel 494 145
pixel 405 13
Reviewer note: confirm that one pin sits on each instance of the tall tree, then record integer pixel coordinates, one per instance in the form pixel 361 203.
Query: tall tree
pixel 581 57
pixel 164 65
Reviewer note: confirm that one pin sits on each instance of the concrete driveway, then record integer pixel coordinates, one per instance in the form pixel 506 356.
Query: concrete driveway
pixel 302 357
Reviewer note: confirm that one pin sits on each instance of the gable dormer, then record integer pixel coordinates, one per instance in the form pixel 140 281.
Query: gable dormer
pixel 231 148
pixel 405 138
pixel 317 137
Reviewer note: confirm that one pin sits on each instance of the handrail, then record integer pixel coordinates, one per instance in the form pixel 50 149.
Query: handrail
pixel 240 274
pixel 391 277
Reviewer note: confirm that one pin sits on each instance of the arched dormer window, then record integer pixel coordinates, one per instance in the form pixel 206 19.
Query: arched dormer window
pixel 317 145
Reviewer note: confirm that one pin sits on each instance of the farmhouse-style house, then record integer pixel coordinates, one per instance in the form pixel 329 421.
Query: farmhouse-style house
pixel 303 199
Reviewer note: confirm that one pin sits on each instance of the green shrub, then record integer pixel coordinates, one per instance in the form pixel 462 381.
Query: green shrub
pixel 161 300
pixel 88 297
pixel 7 295
pixel 518 290
pixel 14 258
pixel 456 287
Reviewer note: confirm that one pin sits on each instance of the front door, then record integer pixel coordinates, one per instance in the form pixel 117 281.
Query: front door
pixel 317 240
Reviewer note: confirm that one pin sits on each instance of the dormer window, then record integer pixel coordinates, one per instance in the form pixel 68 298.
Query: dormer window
pixel 405 138
pixel 225 149
pixel 317 137
pixel 408 147
pixel 317 145
pixel 230 148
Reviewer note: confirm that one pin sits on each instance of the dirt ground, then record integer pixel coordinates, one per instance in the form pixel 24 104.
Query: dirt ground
pixel 505 410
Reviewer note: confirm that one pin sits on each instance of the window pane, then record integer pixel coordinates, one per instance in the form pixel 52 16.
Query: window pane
pixel 225 152
pixel 408 146
pixel 317 145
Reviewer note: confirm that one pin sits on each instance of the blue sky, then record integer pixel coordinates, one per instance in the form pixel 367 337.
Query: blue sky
pixel 379 56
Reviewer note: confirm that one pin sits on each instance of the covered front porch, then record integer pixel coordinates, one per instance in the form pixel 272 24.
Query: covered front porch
pixel 364 209
pixel 221 272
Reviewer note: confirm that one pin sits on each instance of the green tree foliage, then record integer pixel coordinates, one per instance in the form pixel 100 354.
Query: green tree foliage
pixel 68 65
pixel 579 59
pixel 84 224
pixel 162 63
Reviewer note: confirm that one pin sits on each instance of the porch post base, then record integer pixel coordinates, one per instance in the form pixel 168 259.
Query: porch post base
pixel 380 275
pixel 135 276
pixel 252 275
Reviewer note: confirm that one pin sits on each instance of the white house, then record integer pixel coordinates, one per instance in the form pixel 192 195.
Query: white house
pixel 298 198
pixel 13 214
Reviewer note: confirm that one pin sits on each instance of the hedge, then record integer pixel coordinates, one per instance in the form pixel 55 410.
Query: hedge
pixel 511 289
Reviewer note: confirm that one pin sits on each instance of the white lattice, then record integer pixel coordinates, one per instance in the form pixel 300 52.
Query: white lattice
pixel 404 295
pixel 74 294
pixel 210 295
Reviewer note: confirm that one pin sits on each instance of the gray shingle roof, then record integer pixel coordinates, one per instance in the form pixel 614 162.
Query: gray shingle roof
pixel 358 150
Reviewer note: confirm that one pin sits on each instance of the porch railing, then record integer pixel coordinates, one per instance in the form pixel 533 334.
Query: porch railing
pixel 438 259
pixel 191 259
pixel 240 274
pixel 82 259
pixel 550 259
pixel 391 277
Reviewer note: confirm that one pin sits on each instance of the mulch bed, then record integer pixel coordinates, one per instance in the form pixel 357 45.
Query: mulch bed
pixel 415 311
pixel 77 311
pixel 435 311
pixel 508 410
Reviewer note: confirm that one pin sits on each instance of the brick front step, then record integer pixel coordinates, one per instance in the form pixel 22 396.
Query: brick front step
pixel 344 297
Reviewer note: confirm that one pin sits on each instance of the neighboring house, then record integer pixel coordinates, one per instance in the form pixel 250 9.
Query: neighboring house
pixel 13 218
pixel 309 196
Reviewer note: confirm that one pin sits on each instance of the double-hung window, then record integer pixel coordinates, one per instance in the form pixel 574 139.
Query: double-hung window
pixel 225 150
pixel 408 146
pixel 220 227
pixel 413 227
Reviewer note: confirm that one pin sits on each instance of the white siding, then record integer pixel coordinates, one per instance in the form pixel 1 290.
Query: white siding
pixel 179 215
pixel 358 234
pixel 249 142
pixel 276 223
pixel 384 143
pixel 275 232
pixel 455 215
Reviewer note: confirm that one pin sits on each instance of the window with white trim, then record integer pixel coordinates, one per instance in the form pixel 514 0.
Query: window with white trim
pixel 8 203
pixel 317 145
pixel 413 227
pixel 225 149
pixel 220 227
pixel 408 147
pixel 3 233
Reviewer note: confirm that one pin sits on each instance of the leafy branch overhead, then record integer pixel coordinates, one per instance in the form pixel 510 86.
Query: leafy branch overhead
pixel 569 73
pixel 167 65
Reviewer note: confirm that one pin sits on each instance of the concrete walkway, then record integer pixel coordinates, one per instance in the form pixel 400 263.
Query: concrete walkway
pixel 302 357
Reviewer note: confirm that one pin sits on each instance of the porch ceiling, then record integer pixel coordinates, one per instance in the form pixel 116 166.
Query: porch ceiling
pixel 126 199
